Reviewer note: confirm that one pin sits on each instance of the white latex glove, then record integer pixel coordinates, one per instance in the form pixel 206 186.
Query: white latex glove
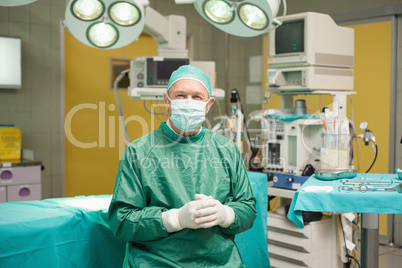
pixel 212 213
pixel 170 220
pixel 177 219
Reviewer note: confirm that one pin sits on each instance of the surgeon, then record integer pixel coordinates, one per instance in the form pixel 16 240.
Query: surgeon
pixel 182 192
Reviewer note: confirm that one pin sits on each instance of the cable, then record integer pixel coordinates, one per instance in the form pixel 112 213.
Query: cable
pixel 160 107
pixel 123 103
pixel 157 116
pixel 355 237
pixel 352 136
pixel 121 114
pixel 375 157
pixel 253 148
pixel 244 117
pixel 344 239
pixel 165 114
pixel 354 259
pixel 116 81
pixel 355 138
pixel 146 109
pixel 351 108
pixel 343 235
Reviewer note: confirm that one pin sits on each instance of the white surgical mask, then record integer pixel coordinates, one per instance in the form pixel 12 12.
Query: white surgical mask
pixel 187 114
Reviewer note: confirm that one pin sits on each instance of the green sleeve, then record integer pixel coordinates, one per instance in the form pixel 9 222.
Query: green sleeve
pixel 244 200
pixel 129 216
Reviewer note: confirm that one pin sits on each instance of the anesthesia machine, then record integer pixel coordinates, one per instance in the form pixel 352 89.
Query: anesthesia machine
pixel 307 54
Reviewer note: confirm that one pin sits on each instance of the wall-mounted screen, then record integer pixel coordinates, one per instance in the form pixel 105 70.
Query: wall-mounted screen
pixel 10 62
pixel 310 39
pixel 289 38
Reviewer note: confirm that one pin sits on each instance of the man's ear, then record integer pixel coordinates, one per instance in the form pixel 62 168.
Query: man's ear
pixel 165 98
pixel 167 102
pixel 209 105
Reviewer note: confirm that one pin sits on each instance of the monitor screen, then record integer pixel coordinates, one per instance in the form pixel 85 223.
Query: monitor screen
pixel 167 67
pixel 10 62
pixel 289 37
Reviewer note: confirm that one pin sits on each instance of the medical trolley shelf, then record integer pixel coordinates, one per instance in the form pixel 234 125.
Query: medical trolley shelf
pixel 369 203
pixel 20 180
pixel 291 247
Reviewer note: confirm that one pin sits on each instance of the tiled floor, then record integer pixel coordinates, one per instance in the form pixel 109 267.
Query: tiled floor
pixel 390 257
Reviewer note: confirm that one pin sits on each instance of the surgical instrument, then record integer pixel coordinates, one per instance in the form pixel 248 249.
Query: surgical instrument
pixel 364 188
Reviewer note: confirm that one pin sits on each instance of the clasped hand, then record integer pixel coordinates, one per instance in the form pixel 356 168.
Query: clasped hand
pixel 205 212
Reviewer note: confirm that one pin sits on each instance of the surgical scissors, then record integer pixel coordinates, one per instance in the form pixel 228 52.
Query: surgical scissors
pixel 367 181
pixel 365 187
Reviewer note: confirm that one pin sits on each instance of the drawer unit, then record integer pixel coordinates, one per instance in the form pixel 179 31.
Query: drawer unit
pixel 24 192
pixel 20 175
pixel 283 263
pixel 289 246
pixel 289 235
pixel 299 259
pixel 20 181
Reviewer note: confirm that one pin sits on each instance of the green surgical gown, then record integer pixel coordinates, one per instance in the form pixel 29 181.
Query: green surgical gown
pixel 161 171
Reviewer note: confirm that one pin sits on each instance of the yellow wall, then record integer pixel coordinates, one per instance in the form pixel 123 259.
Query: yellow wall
pixel 372 84
pixel 91 117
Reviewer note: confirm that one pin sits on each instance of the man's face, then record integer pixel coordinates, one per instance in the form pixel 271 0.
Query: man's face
pixel 185 89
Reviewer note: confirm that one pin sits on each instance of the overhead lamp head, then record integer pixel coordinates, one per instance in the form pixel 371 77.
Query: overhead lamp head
pixel 102 34
pixel 14 3
pixel 87 10
pixel 124 14
pixel 105 24
pixel 245 18
pixel 218 11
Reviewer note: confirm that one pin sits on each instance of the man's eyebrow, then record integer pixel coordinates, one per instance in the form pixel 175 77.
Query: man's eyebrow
pixel 199 92
pixel 178 91
pixel 196 92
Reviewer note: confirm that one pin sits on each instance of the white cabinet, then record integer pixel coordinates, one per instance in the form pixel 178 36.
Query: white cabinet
pixel 20 182
pixel 289 246
pixel 308 247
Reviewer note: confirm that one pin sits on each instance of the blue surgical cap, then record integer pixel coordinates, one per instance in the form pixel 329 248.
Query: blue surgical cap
pixel 190 72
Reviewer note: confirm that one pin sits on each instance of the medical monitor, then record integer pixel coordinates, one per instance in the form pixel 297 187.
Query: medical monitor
pixel 149 71
pixel 310 38
pixel 10 62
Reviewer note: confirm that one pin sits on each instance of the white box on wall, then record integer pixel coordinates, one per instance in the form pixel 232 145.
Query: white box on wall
pixel 10 63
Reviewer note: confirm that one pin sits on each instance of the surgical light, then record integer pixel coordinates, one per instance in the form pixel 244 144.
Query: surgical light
pixel 218 11
pixel 87 9
pixel 102 34
pixel 124 14
pixel 253 17
pixel 245 18
pixel 105 24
